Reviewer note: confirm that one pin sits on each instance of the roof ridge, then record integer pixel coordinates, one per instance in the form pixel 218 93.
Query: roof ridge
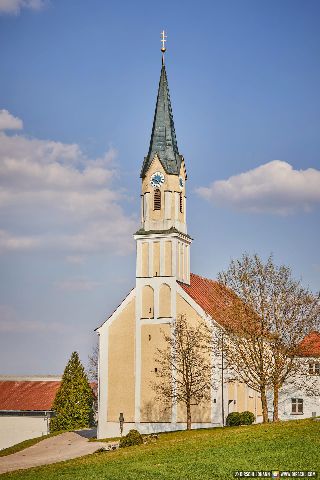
pixel 204 278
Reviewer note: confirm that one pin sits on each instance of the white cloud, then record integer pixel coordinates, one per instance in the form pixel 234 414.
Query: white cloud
pixel 77 285
pixel 8 121
pixel 76 259
pixel 11 242
pixel 13 7
pixel 53 197
pixel 275 187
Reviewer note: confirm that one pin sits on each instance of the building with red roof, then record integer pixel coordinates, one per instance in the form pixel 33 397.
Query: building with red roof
pixel 25 407
pixel 310 345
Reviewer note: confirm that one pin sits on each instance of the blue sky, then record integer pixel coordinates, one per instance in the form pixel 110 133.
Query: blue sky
pixel 78 84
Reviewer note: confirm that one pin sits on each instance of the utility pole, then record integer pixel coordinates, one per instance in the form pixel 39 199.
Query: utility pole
pixel 222 379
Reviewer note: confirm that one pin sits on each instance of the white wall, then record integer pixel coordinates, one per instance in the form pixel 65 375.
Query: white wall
pixel 15 429
pixel 306 387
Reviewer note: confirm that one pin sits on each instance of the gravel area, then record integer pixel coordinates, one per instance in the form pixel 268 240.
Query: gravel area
pixel 51 450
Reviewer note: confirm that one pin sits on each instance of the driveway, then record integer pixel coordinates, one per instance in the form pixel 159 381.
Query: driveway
pixel 51 450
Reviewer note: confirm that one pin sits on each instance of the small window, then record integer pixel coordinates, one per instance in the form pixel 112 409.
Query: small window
pixel 149 338
pixel 314 368
pixel 157 200
pixel 181 203
pixel 156 369
pixel 296 405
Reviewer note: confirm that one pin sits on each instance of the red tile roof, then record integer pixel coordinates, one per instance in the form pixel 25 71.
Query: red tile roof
pixel 211 296
pixel 310 345
pixel 30 395
pixel 27 395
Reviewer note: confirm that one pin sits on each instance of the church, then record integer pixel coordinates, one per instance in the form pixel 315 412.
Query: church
pixel 165 288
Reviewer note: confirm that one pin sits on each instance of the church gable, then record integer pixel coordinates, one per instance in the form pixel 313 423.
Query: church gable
pixel 117 312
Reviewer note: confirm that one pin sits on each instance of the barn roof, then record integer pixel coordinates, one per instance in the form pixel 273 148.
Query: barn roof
pixel 27 395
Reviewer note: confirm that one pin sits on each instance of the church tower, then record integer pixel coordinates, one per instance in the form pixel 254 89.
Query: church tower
pixel 163 245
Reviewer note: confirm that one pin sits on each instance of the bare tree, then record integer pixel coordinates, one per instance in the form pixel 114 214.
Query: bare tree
pixel 270 315
pixel 92 374
pixel 184 373
pixel 92 368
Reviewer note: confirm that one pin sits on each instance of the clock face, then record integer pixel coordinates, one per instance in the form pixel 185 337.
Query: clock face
pixel 181 182
pixel 157 179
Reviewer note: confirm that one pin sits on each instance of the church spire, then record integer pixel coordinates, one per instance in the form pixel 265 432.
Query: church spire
pixel 163 140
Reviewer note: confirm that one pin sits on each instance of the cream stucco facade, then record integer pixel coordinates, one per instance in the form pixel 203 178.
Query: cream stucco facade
pixel 129 339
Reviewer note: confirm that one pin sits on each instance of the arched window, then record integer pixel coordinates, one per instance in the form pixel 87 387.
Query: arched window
pixel 157 199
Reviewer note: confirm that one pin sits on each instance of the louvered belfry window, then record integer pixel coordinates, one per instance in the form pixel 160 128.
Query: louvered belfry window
pixel 181 203
pixel 157 200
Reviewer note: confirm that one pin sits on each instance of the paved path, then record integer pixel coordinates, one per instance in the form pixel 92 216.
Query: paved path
pixel 51 450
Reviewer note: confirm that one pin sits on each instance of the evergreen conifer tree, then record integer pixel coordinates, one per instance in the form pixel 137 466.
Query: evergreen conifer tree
pixel 73 404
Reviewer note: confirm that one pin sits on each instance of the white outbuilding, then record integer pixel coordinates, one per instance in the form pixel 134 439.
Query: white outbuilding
pixel 25 407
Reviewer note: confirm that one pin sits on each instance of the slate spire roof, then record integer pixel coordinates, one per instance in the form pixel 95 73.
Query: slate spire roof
pixel 163 137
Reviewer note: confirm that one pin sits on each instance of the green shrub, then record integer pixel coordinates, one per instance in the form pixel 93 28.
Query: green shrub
pixel 132 438
pixel 247 418
pixel 233 419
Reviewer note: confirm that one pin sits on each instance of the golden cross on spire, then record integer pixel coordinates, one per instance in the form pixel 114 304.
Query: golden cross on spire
pixel 163 41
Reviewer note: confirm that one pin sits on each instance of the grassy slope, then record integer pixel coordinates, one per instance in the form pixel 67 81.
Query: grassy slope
pixel 195 455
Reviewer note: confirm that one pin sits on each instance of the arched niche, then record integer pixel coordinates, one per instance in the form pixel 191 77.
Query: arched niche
pixel 147 302
pixel 165 301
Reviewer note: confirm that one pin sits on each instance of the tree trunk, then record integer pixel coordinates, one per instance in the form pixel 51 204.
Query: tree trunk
pixel 264 402
pixel 188 416
pixel 275 403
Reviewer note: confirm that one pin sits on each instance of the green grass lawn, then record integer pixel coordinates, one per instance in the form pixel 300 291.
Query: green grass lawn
pixel 197 455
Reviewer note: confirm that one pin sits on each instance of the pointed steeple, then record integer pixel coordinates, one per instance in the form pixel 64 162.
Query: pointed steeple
pixel 163 137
